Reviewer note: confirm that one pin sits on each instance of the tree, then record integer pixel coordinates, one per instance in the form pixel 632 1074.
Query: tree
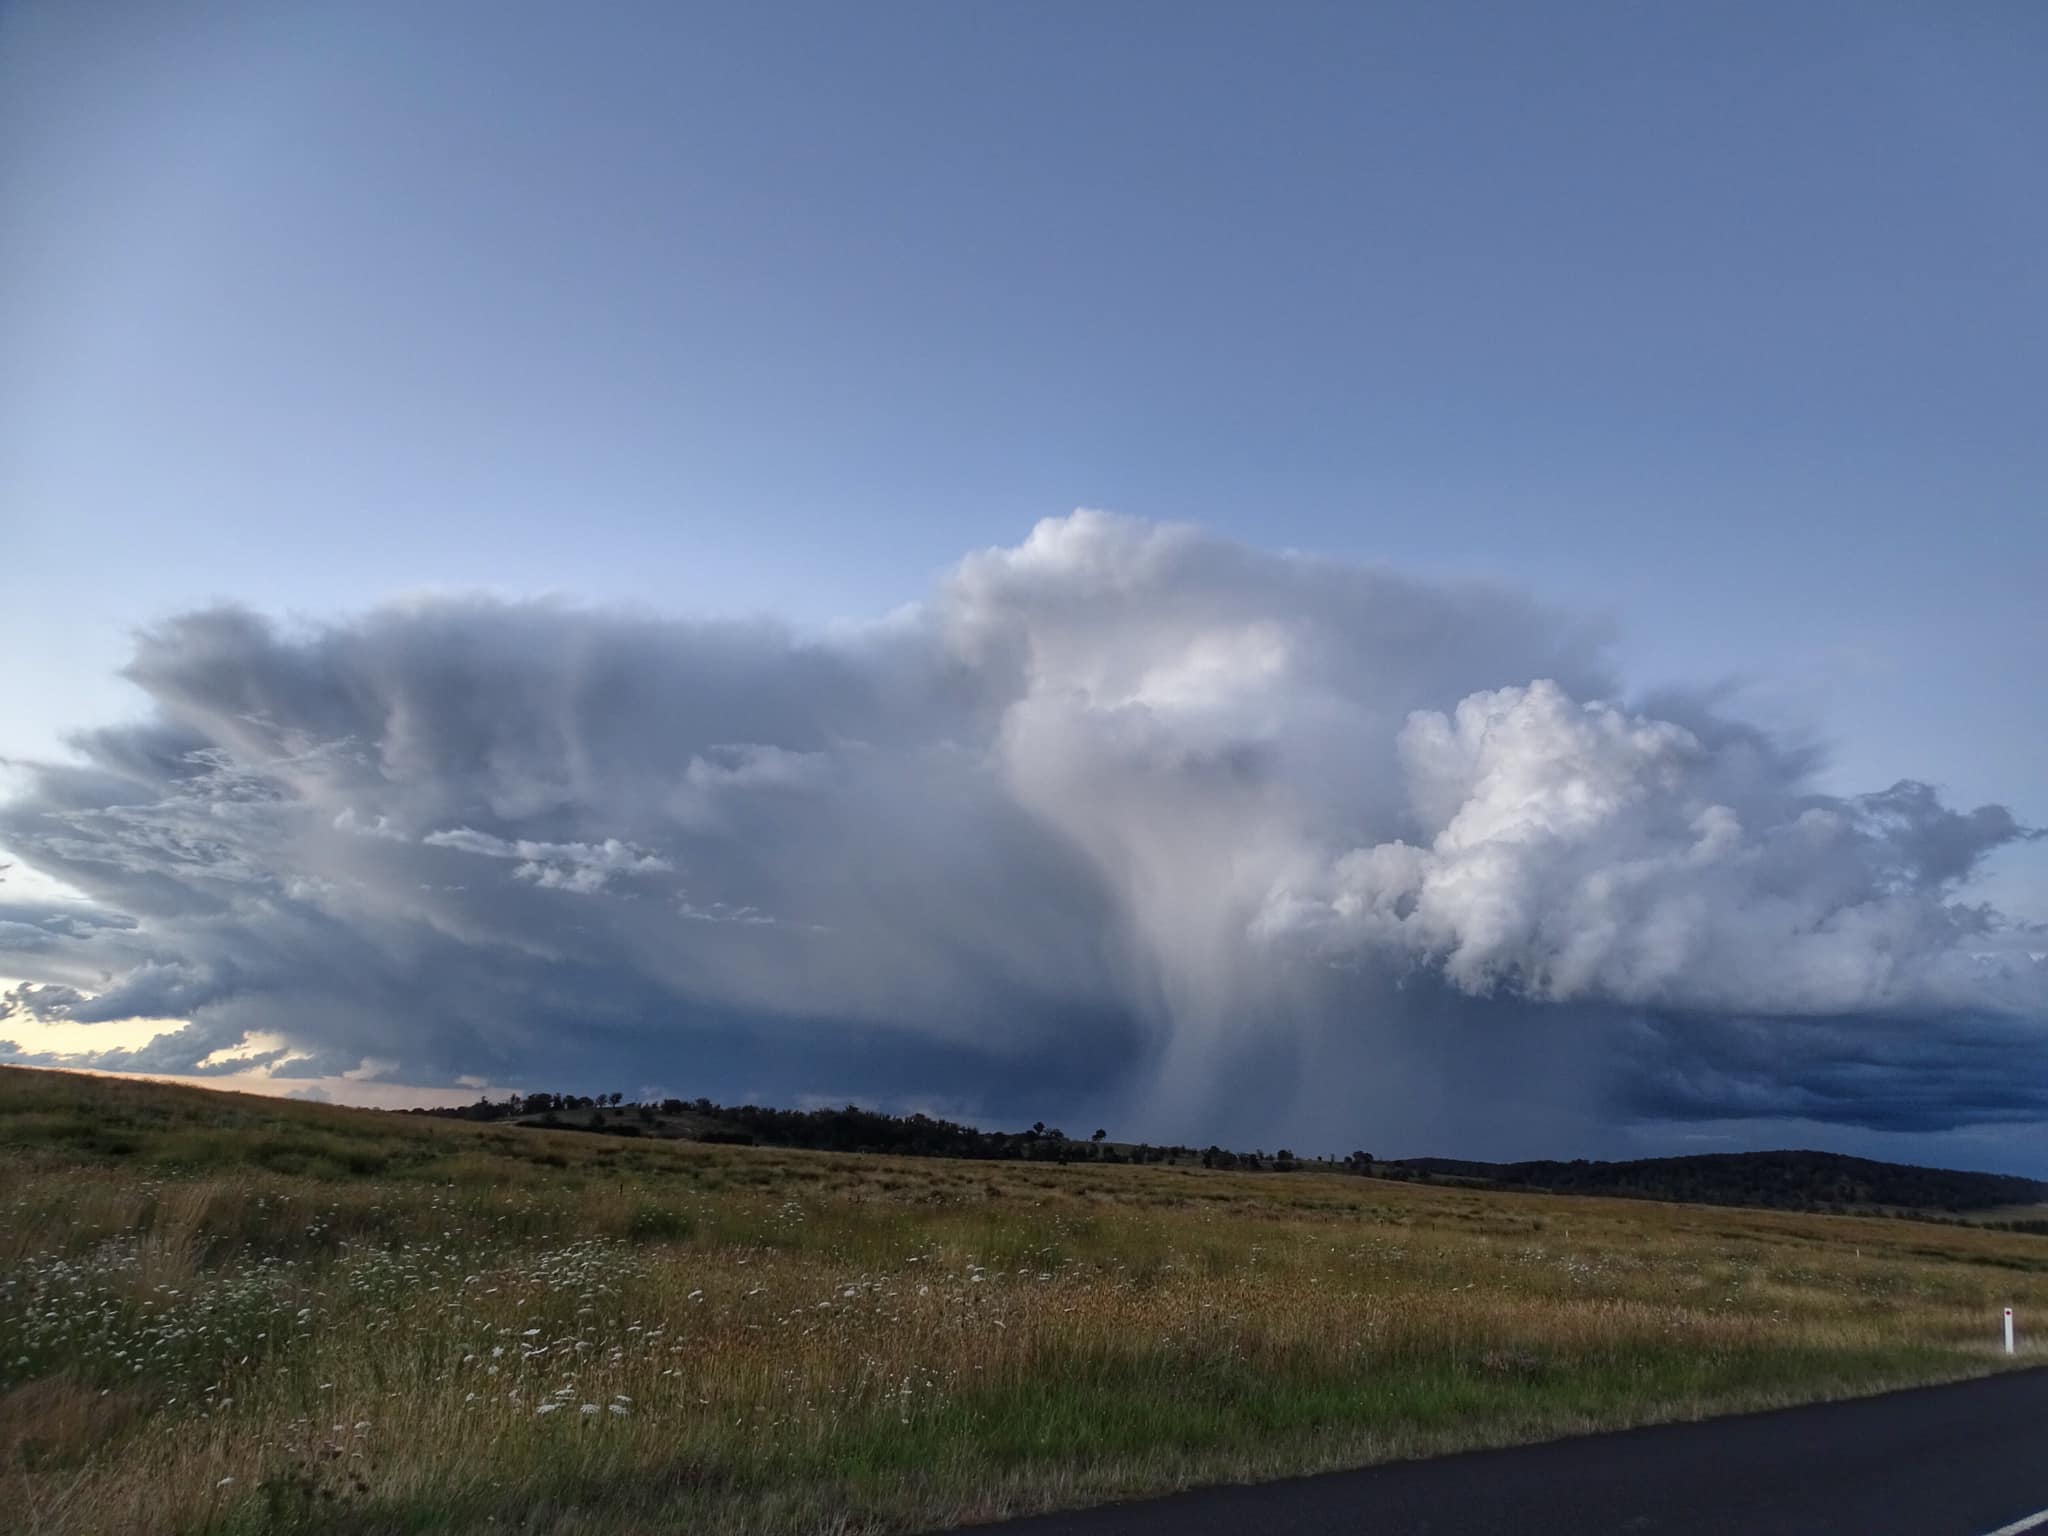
pixel 1099 1136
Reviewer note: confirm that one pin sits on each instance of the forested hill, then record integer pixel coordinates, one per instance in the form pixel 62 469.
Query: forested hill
pixel 1783 1180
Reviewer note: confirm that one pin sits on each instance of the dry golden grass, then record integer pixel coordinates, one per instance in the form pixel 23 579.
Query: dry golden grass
pixel 424 1326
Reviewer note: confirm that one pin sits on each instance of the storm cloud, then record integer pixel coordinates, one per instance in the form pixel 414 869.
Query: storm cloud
pixel 1124 820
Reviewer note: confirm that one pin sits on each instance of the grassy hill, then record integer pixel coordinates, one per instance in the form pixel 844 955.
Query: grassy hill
pixel 221 1313
pixel 1790 1181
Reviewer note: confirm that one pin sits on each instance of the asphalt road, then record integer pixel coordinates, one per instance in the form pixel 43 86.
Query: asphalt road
pixel 1962 1460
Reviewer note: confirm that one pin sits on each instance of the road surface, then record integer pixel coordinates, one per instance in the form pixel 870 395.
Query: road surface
pixel 1963 1460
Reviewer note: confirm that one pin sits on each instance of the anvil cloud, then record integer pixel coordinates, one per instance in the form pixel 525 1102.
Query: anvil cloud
pixel 1124 820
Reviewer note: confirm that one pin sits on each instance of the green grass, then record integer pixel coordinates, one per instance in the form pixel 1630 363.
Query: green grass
pixel 220 1313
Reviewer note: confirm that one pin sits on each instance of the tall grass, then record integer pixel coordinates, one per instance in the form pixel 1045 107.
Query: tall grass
pixel 220 1314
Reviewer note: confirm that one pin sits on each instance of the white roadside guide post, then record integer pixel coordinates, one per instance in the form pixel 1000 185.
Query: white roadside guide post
pixel 2008 1330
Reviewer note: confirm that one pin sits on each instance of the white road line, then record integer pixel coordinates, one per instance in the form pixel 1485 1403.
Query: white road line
pixel 2017 1526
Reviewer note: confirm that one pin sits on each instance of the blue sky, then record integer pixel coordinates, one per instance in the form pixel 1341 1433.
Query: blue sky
pixel 1727 326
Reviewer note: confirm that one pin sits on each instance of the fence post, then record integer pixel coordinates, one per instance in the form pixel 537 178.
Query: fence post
pixel 2008 1330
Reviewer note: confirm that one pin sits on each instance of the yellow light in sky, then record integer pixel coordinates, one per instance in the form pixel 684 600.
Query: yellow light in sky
pixel 36 1035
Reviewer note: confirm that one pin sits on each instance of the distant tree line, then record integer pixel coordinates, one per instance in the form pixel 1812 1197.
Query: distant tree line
pixel 1801 1180
pixel 853 1129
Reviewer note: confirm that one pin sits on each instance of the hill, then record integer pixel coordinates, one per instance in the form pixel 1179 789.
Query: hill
pixel 223 1313
pixel 1795 1181
pixel 1785 1180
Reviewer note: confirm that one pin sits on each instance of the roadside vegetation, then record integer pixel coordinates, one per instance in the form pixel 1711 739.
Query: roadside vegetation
pixel 227 1314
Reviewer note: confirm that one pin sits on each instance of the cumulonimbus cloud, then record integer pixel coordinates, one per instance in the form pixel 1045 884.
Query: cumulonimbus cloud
pixel 1577 852
pixel 1123 817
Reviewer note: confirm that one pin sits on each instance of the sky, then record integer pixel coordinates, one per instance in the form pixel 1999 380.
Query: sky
pixel 1464 579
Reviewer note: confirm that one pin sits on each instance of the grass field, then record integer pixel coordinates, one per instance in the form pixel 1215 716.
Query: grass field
pixel 230 1314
